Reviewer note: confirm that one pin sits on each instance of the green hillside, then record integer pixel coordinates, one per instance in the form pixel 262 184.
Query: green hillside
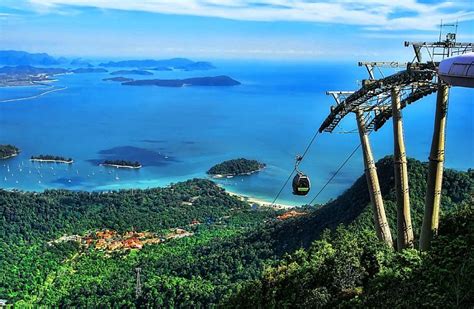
pixel 350 268
pixel 235 256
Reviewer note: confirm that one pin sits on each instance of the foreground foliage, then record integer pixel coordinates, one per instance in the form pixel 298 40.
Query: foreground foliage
pixel 237 255
pixel 350 268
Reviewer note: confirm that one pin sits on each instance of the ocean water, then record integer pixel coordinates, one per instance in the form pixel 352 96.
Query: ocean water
pixel 179 133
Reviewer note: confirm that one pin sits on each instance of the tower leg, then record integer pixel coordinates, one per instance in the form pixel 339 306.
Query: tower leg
pixel 404 227
pixel 381 225
pixel 435 170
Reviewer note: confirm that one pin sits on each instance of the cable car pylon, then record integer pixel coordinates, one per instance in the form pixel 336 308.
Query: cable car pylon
pixel 385 97
pixel 404 228
pixel 362 112
pixel 382 228
pixel 434 184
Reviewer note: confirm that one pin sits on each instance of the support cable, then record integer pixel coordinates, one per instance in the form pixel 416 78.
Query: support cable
pixel 334 175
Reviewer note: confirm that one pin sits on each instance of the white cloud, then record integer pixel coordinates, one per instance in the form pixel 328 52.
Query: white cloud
pixel 372 14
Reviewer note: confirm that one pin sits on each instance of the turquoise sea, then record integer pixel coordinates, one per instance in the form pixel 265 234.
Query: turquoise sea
pixel 179 133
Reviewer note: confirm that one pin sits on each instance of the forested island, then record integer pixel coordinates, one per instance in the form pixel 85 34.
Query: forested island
pixel 195 81
pixel 162 65
pixel 233 256
pixel 131 72
pixel 121 163
pixel 29 75
pixel 51 159
pixel 8 151
pixel 236 167
pixel 118 79
pixel 20 70
pixel 89 70
pixel 17 57
pixel 30 70
pixel 26 75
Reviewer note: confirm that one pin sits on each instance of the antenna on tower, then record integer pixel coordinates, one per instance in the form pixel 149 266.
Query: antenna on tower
pixel 138 286
pixel 440 30
pixel 446 46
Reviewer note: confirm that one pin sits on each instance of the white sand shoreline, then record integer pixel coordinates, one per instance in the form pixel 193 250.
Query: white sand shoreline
pixel 52 161
pixel 220 176
pixel 9 156
pixel 120 166
pixel 258 201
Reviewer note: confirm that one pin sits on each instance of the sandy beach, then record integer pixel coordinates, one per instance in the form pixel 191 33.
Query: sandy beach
pixel 219 176
pixel 8 157
pixel 52 161
pixel 120 166
pixel 259 202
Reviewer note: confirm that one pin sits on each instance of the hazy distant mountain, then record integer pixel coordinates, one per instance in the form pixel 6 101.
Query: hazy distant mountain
pixel 29 70
pixel 166 64
pixel 200 65
pixel 131 72
pixel 89 70
pixel 174 62
pixel 15 57
pixel 195 81
pixel 118 79
pixel 79 62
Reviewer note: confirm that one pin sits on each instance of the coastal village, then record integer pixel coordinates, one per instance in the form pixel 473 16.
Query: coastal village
pixel 111 241
pixel 291 214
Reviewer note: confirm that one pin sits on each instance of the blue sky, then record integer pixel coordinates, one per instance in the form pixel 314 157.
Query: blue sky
pixel 210 29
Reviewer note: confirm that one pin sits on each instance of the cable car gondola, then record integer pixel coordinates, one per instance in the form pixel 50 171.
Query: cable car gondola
pixel 301 182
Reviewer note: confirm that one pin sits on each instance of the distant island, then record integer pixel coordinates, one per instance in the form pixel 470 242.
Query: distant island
pixel 162 65
pixel 89 70
pixel 20 70
pixel 26 75
pixel 16 57
pixel 28 69
pixel 131 72
pixel 195 81
pixel 118 79
pixel 79 62
pixel 235 167
pixel 121 164
pixel 197 66
pixel 51 159
pixel 8 151
pixel 161 69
